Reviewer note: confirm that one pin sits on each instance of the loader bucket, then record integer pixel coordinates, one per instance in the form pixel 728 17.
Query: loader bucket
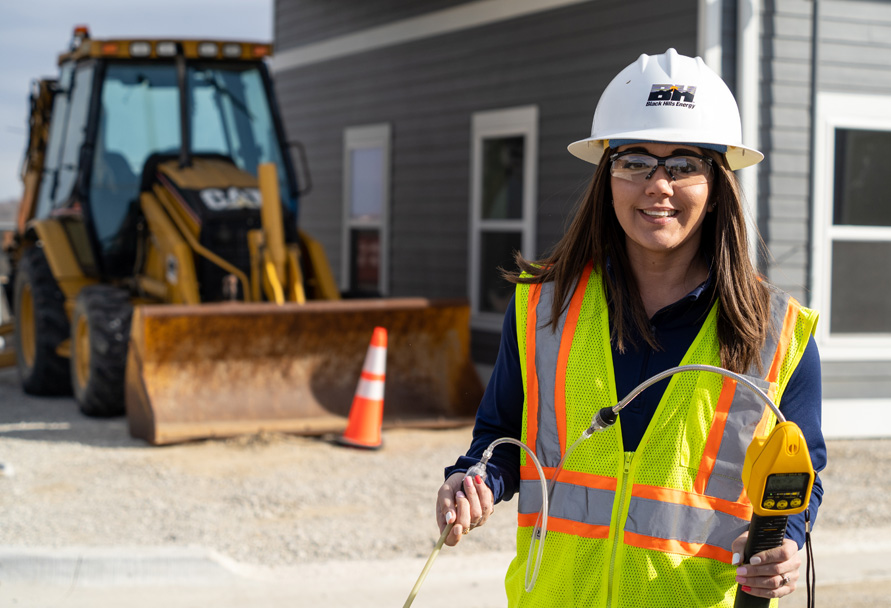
pixel 217 370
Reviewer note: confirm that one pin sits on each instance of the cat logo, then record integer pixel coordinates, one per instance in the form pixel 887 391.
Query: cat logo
pixel 217 199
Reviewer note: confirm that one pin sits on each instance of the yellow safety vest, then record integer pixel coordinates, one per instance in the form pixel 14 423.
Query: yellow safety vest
pixel 653 527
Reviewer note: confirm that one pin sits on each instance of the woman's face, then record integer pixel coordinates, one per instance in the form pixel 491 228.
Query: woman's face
pixel 661 216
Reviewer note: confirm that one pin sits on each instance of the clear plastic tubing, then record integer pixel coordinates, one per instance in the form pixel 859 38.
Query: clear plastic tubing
pixel 541 525
pixel 700 368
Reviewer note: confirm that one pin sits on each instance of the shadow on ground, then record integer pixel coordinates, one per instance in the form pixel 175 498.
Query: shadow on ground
pixel 55 419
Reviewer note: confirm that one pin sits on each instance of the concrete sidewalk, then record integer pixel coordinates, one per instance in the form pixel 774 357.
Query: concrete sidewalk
pixel 853 570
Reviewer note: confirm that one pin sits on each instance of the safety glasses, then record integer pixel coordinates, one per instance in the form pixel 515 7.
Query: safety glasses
pixel 684 169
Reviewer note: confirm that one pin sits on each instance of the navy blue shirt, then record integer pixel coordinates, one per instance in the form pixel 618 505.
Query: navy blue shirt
pixel 675 327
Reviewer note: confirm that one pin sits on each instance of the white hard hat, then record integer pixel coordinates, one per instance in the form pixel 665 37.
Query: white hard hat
pixel 667 98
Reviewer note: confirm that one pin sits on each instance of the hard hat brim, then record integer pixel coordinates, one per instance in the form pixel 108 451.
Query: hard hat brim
pixel 591 149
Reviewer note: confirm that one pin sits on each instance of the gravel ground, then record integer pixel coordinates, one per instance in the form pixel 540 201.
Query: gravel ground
pixel 270 500
pixel 282 501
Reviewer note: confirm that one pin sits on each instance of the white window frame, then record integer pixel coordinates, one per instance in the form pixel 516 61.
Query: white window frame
pixel 841 111
pixel 519 121
pixel 354 138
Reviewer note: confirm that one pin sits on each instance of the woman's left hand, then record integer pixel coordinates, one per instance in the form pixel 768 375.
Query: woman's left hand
pixel 771 573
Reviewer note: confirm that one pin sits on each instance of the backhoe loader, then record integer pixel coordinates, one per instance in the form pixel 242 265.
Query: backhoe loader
pixel 158 271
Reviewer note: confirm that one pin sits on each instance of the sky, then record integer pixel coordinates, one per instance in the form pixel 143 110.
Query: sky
pixel 33 33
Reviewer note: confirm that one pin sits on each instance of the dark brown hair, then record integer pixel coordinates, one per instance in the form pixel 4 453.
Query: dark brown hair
pixel 595 234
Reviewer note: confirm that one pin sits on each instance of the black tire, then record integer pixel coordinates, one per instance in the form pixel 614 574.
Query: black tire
pixel 99 339
pixel 41 325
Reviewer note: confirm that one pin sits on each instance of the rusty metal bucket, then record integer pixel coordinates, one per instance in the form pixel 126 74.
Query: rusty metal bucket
pixel 217 370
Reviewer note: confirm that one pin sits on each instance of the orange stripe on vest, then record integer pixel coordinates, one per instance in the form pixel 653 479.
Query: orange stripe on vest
pixel 713 444
pixel 531 377
pixel 588 480
pixel 676 546
pixel 565 526
pixel 690 499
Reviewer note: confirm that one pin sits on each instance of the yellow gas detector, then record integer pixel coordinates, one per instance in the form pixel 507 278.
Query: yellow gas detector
pixel 778 477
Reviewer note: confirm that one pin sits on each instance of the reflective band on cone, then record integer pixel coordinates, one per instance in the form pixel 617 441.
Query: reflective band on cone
pixel 367 412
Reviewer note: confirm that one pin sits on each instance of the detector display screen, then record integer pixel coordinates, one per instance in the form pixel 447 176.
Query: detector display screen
pixel 787 482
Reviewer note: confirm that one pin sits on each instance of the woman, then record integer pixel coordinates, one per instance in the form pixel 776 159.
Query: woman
pixel 653 272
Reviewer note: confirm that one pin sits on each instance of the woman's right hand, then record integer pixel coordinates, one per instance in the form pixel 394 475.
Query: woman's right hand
pixel 466 501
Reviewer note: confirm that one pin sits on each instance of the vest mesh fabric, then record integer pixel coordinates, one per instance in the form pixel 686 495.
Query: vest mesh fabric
pixel 804 328
pixel 593 387
pixel 705 582
pixel 564 578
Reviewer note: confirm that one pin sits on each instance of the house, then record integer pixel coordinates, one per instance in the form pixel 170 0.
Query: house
pixel 437 134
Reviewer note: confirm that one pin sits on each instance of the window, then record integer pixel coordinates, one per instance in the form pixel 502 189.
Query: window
pixel 231 116
pixel 852 231
pixel 139 117
pixel 503 194
pixel 75 132
pixel 56 142
pixel 366 199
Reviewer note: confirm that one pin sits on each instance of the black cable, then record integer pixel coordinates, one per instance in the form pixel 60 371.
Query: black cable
pixel 810 572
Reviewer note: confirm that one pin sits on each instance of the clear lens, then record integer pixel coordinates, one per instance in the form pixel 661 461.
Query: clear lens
pixel 231 50
pixel 208 49
pixel 165 49
pixel 633 167
pixel 140 49
pixel 682 166
pixel 638 167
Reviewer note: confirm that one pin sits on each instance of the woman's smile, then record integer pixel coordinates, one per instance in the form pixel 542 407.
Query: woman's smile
pixel 660 213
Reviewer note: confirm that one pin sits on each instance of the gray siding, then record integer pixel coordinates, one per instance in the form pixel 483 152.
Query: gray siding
pixel 784 176
pixel 855 47
pixel 427 90
pixel 300 22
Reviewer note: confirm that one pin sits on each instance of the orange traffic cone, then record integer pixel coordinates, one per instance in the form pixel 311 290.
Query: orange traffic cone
pixel 364 426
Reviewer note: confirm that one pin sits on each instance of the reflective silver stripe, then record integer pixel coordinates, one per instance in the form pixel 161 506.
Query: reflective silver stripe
pixel 683 523
pixel 746 411
pixel 547 351
pixel 779 302
pixel 591 506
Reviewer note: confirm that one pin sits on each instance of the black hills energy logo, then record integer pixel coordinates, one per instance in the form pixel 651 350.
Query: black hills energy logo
pixel 672 95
